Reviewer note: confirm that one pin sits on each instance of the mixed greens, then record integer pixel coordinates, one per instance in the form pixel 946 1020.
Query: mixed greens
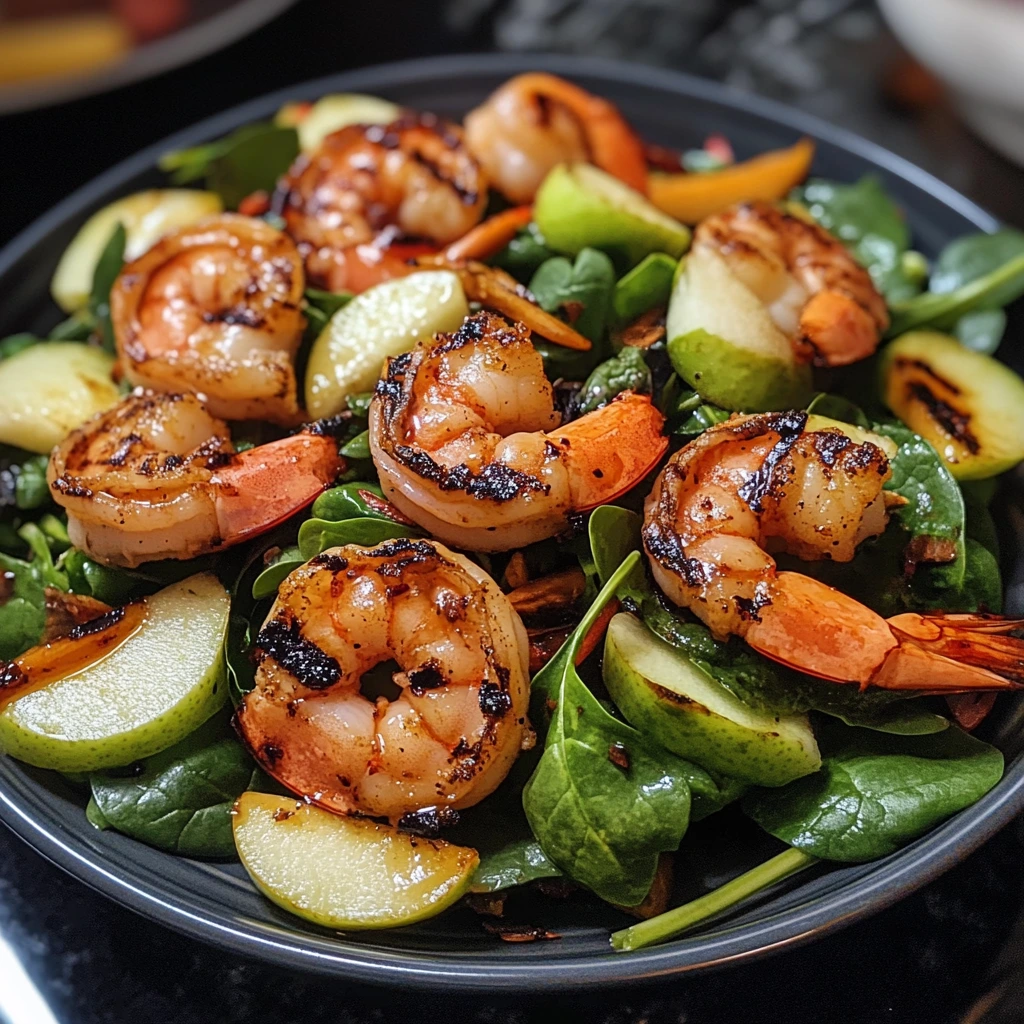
pixel 644 719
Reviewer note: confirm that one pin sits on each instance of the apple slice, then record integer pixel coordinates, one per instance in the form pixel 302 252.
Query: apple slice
pixel 348 873
pixel 677 703
pixel 383 321
pixel 104 705
pixel 579 205
pixel 146 216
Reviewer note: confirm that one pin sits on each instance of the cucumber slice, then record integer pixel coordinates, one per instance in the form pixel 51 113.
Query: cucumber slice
pixel 383 321
pixel 50 389
pixel 148 693
pixel 335 111
pixel 725 345
pixel 968 405
pixel 346 873
pixel 146 216
pixel 579 205
pixel 672 699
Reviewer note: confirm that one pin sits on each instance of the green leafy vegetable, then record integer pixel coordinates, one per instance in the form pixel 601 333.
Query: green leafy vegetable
pixel 942 311
pixel 104 582
pixel 77 327
pixel 181 800
pixel 701 418
pixel 578 292
pixel 645 287
pixel 349 501
pixel 934 515
pixel 15 343
pixel 277 568
pixel 316 535
pixel 876 792
pixel 602 802
pixel 250 159
pixel 358 447
pixel 981 330
pixel 321 306
pixel 519 862
pixel 627 371
pixel 837 407
pixel 23 612
pixel 864 218
pixel 107 268
pixel 359 403
pixel 524 254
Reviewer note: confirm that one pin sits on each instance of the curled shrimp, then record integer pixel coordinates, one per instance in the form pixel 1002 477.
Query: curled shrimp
pixel 765 483
pixel 214 309
pixel 455 725
pixel 468 444
pixel 414 176
pixel 535 121
pixel 815 291
pixel 157 477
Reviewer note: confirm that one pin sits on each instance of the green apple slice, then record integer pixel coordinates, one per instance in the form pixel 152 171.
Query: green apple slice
pixel 146 216
pixel 383 321
pixel 667 696
pixel 347 873
pixel 145 695
pixel 578 205
pixel 968 405
pixel 334 112
pixel 725 345
pixel 51 388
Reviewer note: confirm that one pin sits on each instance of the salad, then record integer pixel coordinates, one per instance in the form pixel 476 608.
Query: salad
pixel 422 512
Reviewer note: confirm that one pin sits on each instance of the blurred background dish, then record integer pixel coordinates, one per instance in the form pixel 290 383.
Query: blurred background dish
pixel 54 50
pixel 975 47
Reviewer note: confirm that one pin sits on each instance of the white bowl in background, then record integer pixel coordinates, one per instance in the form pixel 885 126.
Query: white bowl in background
pixel 977 48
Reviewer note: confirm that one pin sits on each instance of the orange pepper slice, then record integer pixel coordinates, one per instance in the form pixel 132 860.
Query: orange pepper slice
pixel 692 197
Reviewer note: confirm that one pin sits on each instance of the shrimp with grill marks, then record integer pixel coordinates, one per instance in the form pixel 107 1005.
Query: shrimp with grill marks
pixel 468 444
pixel 457 720
pixel 778 482
pixel 819 296
pixel 215 309
pixel 158 477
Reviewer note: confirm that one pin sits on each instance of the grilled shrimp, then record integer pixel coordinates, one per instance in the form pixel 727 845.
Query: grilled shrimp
pixel 214 309
pixel 535 121
pixel 816 292
pixel 412 177
pixel 467 442
pixel 764 483
pixel 453 730
pixel 157 477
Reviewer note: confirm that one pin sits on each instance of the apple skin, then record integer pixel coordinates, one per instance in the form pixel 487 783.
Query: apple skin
pixel 725 345
pixel 156 687
pixel 578 206
pixel 674 701
pixel 345 872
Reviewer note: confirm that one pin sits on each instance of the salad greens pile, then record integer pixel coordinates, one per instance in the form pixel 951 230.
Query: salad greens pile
pixel 645 721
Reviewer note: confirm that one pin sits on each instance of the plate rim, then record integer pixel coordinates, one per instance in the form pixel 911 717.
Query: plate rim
pixel 887 880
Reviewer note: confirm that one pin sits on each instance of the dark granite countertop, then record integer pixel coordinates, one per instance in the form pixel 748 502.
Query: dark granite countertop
pixel 925 960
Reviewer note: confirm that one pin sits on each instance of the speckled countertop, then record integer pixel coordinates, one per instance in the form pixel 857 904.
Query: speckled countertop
pixel 925 960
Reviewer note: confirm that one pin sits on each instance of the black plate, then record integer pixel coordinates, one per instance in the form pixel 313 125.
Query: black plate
pixel 215 902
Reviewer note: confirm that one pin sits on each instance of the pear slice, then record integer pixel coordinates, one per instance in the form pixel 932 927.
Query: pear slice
pixel 347 873
pixel 579 205
pixel 146 216
pixel 673 700
pixel 147 692
pixel 383 321
pixel 723 342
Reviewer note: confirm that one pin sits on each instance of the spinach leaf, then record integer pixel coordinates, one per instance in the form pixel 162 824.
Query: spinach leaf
pixel 645 287
pixel 973 256
pixel 686 413
pixel 628 371
pixel 519 862
pixel 561 363
pixel 358 447
pixel 868 222
pixel 350 501
pixel 15 343
pixel 250 159
pixel 942 311
pixel 321 306
pixel 23 610
pixel 709 794
pixel 23 479
pixel 277 569
pixel 316 535
pixel 838 407
pixel 934 515
pixel 702 418
pixel 602 823
pixel 579 292
pixel 876 792
pixel 106 583
pixel 181 799
pixel 77 327
pixel 524 254
pixel 107 268
pixel 981 330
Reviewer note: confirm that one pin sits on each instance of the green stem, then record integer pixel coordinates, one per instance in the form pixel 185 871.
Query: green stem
pixel 672 922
